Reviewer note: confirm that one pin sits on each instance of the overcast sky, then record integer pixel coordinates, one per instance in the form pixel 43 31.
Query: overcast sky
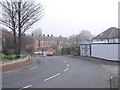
pixel 67 17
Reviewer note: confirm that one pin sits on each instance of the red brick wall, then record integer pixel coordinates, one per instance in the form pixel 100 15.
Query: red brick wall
pixel 16 65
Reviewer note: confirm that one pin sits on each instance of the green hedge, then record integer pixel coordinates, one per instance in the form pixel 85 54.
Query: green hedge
pixel 10 57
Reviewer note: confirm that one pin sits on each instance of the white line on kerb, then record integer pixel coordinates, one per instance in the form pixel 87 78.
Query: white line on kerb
pixel 25 87
pixel 33 68
pixel 52 77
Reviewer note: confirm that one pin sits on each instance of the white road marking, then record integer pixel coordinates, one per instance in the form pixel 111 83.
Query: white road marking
pixel 68 65
pixel 58 73
pixel 65 69
pixel 52 77
pixel 25 87
pixel 33 68
pixel 64 61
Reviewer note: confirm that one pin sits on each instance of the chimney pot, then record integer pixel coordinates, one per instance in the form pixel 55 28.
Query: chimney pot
pixel 52 35
pixel 43 35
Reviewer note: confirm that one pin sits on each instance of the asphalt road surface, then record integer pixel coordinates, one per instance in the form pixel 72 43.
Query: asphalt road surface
pixel 58 72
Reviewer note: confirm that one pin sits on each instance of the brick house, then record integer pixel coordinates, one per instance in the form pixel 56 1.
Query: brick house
pixel 47 43
pixel 4 36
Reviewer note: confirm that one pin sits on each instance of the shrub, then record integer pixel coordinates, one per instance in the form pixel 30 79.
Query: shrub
pixel 10 57
pixel 8 52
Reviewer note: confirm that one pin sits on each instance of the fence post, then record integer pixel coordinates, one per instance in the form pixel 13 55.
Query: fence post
pixel 111 82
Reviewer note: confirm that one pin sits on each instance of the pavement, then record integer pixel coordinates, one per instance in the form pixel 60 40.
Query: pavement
pixel 111 67
pixel 57 72
pixel 34 62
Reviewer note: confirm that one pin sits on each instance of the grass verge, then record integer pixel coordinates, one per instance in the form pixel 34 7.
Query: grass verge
pixel 10 57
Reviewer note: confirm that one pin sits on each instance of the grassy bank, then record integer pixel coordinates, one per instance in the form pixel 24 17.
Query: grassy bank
pixel 4 58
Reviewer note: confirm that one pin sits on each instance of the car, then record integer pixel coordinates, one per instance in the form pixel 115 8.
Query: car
pixel 42 55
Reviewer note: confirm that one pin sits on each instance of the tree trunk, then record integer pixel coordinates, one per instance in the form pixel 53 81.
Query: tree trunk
pixel 19 28
pixel 15 42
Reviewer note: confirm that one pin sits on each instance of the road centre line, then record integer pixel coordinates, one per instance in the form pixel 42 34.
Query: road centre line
pixel 52 77
pixel 58 73
pixel 25 87
pixel 64 61
pixel 66 69
pixel 68 65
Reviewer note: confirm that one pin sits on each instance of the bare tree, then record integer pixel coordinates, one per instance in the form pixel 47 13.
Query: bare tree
pixel 37 32
pixel 9 18
pixel 19 17
pixel 27 40
pixel 28 44
pixel 84 35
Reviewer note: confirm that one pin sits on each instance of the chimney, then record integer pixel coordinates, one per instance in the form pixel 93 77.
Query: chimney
pixel 60 36
pixel 52 35
pixel 39 35
pixel 48 35
pixel 43 35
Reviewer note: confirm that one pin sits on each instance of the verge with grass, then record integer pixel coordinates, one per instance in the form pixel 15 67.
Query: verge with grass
pixel 4 58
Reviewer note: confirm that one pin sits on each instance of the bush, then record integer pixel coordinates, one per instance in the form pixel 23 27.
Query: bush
pixel 10 57
pixel 8 52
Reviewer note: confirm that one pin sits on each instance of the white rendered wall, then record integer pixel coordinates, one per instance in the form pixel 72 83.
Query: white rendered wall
pixel 105 51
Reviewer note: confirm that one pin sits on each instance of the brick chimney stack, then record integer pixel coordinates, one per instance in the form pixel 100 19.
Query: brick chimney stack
pixel 48 35
pixel 52 35
pixel 43 35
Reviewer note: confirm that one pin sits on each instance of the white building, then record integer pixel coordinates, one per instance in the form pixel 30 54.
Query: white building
pixel 106 45
pixel 111 35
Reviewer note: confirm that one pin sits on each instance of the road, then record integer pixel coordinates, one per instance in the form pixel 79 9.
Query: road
pixel 59 72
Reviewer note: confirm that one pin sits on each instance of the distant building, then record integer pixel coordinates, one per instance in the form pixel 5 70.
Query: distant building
pixel 4 35
pixel 111 35
pixel 44 43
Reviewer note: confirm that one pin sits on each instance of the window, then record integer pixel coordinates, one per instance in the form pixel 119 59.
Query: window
pixel 111 41
pixel 42 41
pixel 116 40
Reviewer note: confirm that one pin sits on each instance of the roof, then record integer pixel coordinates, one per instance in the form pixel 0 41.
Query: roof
pixel 52 38
pixel 85 43
pixel 109 33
